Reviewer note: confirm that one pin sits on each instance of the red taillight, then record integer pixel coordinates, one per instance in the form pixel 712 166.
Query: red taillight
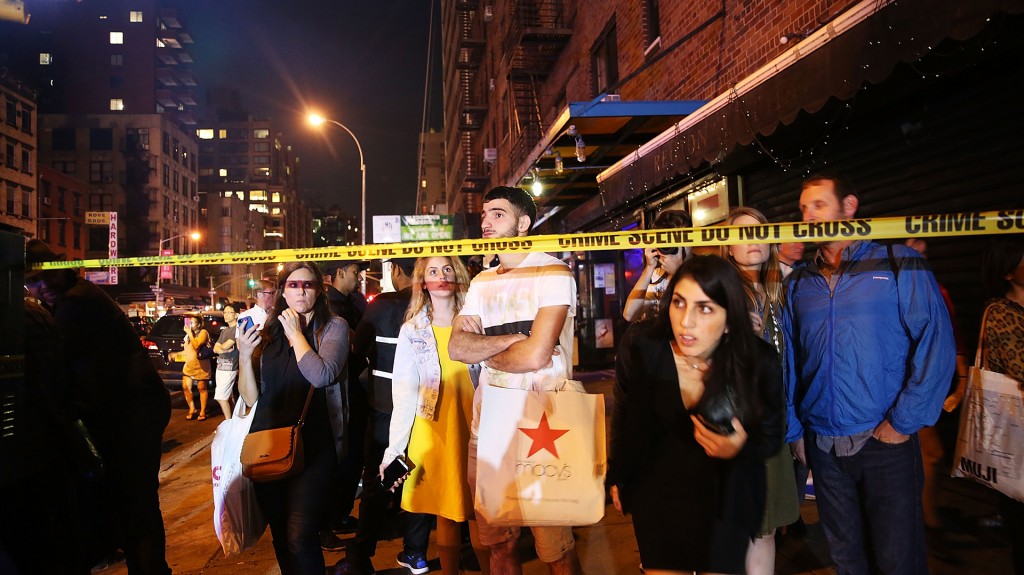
pixel 149 344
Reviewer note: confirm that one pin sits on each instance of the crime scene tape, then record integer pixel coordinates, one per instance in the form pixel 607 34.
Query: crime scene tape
pixel 941 225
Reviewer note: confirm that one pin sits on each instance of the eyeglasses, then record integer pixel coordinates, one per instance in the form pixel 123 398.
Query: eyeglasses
pixel 265 292
pixel 306 285
pixel 668 251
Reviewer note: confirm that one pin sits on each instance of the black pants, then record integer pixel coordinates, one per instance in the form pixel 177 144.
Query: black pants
pixel 295 509
pixel 130 486
pixel 374 504
pixel 350 468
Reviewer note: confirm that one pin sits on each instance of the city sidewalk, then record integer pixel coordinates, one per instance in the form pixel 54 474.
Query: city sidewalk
pixel 608 547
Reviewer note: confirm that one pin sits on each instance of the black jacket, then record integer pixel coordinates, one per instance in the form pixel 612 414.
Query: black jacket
pixel 376 340
pixel 652 437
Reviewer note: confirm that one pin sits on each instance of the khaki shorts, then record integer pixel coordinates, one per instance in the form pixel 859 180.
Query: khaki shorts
pixel 551 543
pixel 225 385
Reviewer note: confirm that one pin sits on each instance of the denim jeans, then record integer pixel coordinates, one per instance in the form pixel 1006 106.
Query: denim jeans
pixel 870 507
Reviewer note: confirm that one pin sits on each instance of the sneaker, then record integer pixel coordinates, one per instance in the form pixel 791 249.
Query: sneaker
pixel 414 562
pixel 330 542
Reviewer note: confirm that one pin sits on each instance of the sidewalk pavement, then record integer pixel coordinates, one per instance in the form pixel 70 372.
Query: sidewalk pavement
pixel 608 547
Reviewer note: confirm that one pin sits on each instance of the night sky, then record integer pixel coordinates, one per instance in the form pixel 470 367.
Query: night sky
pixel 360 63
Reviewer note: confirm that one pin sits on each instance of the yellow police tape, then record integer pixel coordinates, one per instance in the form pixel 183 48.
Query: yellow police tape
pixel 960 224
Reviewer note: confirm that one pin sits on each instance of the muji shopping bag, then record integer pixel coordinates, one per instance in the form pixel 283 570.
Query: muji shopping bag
pixel 990 444
pixel 541 457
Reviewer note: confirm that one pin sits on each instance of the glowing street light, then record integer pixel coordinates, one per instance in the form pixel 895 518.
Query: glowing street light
pixel 194 236
pixel 317 120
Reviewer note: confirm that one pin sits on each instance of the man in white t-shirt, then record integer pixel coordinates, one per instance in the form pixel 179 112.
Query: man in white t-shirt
pixel 518 323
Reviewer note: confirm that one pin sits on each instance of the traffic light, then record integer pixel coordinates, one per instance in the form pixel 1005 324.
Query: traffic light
pixel 252 282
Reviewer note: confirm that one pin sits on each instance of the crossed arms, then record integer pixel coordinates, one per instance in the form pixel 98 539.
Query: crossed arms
pixel 511 353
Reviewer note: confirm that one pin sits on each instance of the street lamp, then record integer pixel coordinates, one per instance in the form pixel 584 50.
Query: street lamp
pixel 160 250
pixel 317 120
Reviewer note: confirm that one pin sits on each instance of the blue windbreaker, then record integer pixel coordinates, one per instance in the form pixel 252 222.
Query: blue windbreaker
pixel 878 346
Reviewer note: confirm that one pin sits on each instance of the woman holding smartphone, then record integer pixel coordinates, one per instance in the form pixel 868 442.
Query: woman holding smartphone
pixel 698 404
pixel 302 346
pixel 433 406
pixel 759 267
pixel 195 370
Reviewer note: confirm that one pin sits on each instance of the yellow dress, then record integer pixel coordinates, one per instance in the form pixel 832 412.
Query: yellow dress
pixel 438 484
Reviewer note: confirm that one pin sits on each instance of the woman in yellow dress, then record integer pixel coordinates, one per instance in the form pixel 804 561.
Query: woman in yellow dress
pixel 433 407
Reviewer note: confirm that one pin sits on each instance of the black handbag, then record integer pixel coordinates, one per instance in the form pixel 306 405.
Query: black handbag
pixel 205 351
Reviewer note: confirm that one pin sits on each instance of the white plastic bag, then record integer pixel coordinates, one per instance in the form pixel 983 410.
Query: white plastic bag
pixel 236 515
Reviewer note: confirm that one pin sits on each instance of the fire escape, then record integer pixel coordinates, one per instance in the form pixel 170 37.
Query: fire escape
pixel 472 98
pixel 536 34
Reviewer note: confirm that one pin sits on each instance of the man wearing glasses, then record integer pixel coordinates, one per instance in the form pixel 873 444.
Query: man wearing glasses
pixel 264 303
pixel 661 264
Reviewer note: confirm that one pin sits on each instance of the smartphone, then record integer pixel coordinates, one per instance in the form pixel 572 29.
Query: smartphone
pixel 395 470
pixel 244 323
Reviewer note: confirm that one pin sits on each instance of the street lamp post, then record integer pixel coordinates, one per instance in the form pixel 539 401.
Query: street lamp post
pixel 160 248
pixel 317 120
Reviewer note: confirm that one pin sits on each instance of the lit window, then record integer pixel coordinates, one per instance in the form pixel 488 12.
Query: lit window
pixel 117 37
pixel 275 197
pixel 135 16
pixel 222 134
pixel 223 172
pixel 423 183
pixel 262 172
pixel 261 133
pixel 275 211
pixel 258 195
pixel 160 43
pixel 116 59
pixel 45 59
pixel 261 208
pixel 116 104
pixel 205 133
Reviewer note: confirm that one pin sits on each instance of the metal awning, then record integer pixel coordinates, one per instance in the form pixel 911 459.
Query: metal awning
pixel 610 129
pixel 861 46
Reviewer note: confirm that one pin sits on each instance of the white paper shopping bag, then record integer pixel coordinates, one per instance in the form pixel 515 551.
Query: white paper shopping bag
pixel 541 457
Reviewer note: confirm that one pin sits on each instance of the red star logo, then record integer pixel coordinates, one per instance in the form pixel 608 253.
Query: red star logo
pixel 543 436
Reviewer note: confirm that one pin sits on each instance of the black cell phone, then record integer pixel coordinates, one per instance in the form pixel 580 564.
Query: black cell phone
pixel 245 323
pixel 395 470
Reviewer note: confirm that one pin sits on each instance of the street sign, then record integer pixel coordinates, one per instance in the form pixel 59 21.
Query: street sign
pixel 112 247
pixel 98 218
pixel 418 228
pixel 166 272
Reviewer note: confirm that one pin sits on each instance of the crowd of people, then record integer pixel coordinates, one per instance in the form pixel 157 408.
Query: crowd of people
pixel 737 372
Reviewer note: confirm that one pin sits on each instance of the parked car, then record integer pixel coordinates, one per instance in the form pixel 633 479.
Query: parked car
pixel 166 339
pixel 141 323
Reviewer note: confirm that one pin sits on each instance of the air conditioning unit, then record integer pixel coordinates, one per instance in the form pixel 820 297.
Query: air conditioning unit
pixel 612 98
pixel 488 13
pixel 490 155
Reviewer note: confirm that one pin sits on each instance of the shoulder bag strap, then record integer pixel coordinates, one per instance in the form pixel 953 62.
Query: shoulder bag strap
pixel 309 398
pixel 981 339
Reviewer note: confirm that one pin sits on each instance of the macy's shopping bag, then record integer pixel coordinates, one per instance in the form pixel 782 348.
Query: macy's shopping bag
pixel 236 515
pixel 541 457
pixel 990 445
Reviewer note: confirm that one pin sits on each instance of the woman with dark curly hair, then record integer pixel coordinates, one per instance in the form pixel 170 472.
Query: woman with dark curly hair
pixel 698 404
pixel 302 345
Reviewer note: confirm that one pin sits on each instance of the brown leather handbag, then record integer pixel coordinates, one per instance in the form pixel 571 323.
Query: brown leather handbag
pixel 274 454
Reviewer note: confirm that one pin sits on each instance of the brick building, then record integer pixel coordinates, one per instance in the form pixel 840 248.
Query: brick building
pixel 622 108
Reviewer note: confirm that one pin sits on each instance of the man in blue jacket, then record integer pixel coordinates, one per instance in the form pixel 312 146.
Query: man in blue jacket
pixel 870 354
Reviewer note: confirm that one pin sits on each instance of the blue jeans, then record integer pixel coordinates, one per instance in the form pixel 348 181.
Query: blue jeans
pixel 870 507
